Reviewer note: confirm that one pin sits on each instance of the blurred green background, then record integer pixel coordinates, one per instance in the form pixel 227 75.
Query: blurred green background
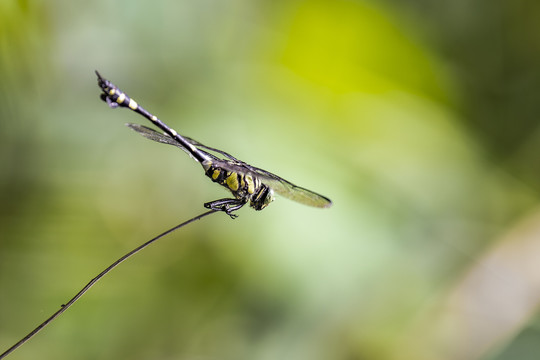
pixel 418 119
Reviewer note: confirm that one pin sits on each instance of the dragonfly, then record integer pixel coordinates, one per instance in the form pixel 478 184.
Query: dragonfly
pixel 247 183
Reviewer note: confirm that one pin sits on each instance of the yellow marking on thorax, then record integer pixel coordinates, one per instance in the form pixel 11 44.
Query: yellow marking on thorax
pixel 242 181
pixel 250 184
pixel 215 174
pixel 111 92
pixel 232 181
pixel 133 104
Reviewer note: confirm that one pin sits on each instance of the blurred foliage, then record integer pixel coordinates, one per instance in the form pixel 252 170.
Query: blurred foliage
pixel 417 118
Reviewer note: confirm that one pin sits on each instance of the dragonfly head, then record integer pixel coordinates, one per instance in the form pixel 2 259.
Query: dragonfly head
pixel 263 198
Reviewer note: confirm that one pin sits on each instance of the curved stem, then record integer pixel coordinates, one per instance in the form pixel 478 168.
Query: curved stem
pixel 65 306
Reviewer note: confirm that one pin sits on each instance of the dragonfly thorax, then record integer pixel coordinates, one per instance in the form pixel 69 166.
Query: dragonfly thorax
pixel 243 185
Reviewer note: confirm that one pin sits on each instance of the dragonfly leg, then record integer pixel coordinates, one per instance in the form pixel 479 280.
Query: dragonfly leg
pixel 109 102
pixel 226 205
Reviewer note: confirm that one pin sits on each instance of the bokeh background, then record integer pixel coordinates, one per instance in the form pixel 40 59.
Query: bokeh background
pixel 419 119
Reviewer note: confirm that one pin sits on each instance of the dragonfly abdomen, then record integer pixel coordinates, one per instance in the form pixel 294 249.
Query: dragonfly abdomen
pixel 115 97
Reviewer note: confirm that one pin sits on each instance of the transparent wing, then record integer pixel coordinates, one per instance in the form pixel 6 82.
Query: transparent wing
pixel 279 185
pixel 198 144
pixel 164 138
pixel 291 191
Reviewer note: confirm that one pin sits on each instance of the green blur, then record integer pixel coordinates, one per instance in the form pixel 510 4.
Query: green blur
pixel 419 120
